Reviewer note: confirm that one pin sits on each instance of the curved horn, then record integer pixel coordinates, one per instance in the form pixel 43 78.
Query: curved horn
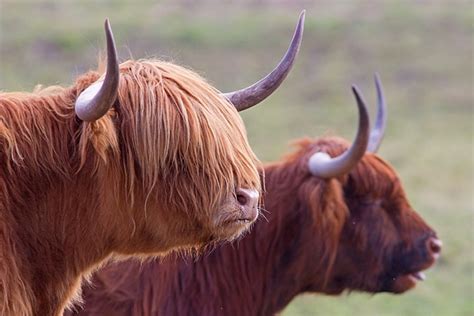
pixel 97 99
pixel 259 91
pixel 323 166
pixel 377 133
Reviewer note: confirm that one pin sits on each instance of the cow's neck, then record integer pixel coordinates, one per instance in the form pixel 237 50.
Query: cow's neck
pixel 60 237
pixel 64 240
pixel 54 210
pixel 288 237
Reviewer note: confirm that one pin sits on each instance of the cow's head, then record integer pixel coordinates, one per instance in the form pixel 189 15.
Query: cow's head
pixel 187 174
pixel 369 238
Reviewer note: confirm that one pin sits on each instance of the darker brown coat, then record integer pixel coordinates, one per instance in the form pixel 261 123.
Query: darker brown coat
pixel 322 236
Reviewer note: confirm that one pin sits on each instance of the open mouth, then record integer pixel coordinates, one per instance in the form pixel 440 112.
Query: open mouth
pixel 416 276
pixel 405 282
pixel 420 276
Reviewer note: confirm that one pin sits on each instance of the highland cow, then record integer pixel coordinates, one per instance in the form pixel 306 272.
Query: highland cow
pixel 338 219
pixel 141 161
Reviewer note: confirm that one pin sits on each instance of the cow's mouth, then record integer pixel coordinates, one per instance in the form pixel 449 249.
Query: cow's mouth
pixel 233 227
pixel 241 218
pixel 238 221
pixel 406 281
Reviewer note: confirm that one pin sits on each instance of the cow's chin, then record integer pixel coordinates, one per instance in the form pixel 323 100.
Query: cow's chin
pixel 405 282
pixel 232 224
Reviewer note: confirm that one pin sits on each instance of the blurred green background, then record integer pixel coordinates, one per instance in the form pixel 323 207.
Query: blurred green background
pixel 423 51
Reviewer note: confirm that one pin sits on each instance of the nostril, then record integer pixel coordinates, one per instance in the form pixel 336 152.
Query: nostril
pixel 435 245
pixel 242 199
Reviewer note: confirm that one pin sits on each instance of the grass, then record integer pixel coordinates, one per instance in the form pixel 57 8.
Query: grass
pixel 422 51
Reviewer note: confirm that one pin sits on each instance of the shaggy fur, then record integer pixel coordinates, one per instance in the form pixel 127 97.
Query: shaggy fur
pixel 321 236
pixel 158 171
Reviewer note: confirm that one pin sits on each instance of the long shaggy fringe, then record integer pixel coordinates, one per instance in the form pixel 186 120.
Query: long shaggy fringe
pixel 193 132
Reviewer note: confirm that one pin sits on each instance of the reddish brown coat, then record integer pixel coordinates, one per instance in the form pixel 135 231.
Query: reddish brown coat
pixel 158 171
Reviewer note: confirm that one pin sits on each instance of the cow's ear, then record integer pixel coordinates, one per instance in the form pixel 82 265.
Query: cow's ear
pixel 325 201
pixel 100 138
pixel 329 212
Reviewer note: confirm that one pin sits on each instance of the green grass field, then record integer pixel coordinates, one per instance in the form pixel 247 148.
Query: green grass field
pixel 423 52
